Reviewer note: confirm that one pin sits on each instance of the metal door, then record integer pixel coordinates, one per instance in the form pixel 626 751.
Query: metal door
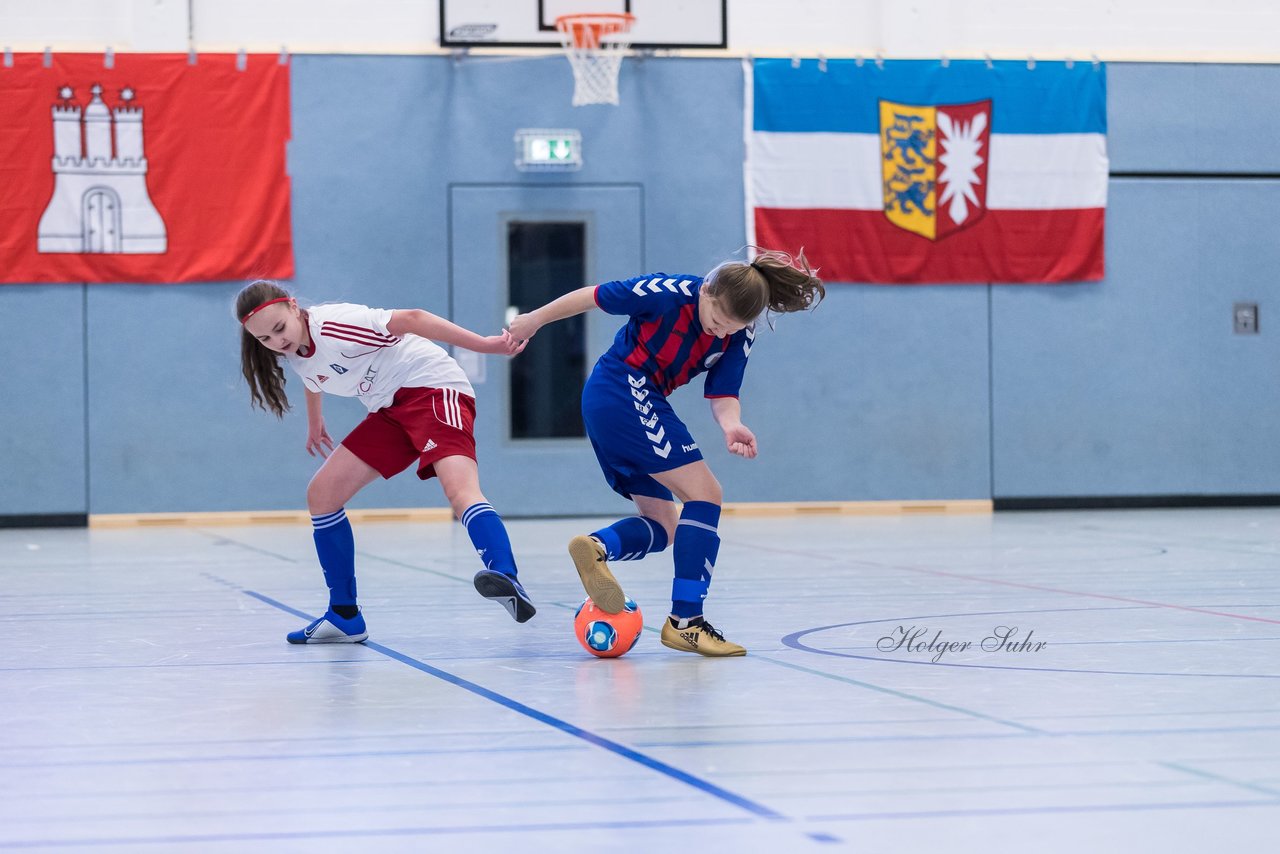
pixel 536 477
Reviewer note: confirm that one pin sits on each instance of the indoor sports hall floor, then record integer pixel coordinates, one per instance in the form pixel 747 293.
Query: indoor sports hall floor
pixel 150 702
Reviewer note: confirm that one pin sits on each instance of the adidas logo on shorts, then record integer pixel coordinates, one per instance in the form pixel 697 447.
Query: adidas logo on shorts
pixel 430 446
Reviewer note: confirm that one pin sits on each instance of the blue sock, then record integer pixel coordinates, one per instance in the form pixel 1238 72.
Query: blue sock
pixel 489 536
pixel 697 543
pixel 336 548
pixel 632 538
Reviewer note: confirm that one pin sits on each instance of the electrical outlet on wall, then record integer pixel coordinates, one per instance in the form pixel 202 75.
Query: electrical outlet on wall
pixel 1245 316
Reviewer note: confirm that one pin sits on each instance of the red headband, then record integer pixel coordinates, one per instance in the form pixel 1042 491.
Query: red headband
pixel 244 319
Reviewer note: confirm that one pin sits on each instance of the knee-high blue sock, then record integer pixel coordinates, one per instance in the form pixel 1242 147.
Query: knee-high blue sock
pixel 336 548
pixel 697 542
pixel 489 536
pixel 632 538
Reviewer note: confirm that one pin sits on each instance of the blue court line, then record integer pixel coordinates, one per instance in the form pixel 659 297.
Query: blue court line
pixel 1018 585
pixel 635 755
pixel 295 757
pixel 902 694
pixel 365 834
pixel 180 664
pixel 1096 715
pixel 986 767
pixel 99 795
pixel 564 726
pixel 416 568
pixel 407 785
pixel 969 736
pixel 431 806
pixel 793 640
pixel 220 540
pixel 1150 550
pixel 1217 778
pixel 883 660
pixel 1240 639
pixel 912 816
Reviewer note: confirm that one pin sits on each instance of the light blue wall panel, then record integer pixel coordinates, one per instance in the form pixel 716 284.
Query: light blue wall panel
pixel 42 426
pixel 879 393
pixel 1192 118
pixel 1137 385
pixel 170 427
pixel 1129 386
pixel 1240 412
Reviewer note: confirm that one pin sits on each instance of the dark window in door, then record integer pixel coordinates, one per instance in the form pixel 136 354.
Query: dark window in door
pixel 546 260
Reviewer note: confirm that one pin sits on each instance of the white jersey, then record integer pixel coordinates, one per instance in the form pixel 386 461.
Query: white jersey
pixel 353 355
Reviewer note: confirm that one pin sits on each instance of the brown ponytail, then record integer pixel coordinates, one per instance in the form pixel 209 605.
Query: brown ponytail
pixel 773 282
pixel 260 366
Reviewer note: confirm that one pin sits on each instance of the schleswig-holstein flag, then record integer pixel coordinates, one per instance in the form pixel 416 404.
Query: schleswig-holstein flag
pixel 915 171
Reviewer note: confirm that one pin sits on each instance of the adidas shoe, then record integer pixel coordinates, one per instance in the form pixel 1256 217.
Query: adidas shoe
pixel 507 592
pixel 332 629
pixel 700 637
pixel 588 555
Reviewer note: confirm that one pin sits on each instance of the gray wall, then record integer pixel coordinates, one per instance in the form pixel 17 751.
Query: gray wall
pixel 127 398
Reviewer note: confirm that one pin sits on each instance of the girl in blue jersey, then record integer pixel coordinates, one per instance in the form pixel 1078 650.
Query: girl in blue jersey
pixel 679 327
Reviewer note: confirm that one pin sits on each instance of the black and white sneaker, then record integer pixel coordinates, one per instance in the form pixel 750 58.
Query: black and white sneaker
pixel 507 592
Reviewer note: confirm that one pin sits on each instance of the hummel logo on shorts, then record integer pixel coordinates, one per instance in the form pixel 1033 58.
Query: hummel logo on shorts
pixel 430 446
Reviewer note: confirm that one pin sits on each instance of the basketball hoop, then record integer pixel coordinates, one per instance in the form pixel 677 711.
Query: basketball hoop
pixel 595 45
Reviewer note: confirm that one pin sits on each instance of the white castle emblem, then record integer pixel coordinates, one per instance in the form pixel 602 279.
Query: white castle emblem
pixel 100 202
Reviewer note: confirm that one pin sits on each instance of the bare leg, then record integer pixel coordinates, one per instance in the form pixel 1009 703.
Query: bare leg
pixel 341 477
pixel 693 482
pixel 460 479
pixel 660 510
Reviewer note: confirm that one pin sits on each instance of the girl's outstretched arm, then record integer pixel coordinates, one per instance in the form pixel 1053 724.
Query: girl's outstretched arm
pixel 424 324
pixel 318 441
pixel 523 326
pixel 737 438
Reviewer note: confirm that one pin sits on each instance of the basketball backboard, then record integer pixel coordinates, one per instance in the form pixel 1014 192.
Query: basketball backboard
pixel 660 24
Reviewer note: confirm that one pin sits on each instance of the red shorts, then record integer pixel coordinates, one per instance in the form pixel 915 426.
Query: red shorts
pixel 423 424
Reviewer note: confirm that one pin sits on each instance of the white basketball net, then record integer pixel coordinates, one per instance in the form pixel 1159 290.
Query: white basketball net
pixel 595 45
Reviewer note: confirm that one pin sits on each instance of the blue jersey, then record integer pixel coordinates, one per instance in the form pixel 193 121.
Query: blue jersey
pixel 664 338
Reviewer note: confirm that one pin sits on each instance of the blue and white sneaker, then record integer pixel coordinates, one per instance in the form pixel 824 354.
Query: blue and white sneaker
pixel 507 592
pixel 332 629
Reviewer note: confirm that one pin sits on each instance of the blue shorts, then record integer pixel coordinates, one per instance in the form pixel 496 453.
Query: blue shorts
pixel 633 430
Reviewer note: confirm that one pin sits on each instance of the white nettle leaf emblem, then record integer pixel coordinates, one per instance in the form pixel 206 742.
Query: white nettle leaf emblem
pixel 961 159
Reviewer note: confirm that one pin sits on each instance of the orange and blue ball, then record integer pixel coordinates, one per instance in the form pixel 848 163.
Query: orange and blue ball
pixel 608 635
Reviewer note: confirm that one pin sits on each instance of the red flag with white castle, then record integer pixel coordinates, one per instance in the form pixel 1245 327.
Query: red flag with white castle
pixel 148 168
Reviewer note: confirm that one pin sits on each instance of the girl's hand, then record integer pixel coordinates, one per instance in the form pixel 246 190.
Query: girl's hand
pixel 741 441
pixel 503 344
pixel 523 327
pixel 318 441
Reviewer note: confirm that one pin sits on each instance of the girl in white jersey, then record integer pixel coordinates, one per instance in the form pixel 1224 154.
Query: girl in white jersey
pixel 421 410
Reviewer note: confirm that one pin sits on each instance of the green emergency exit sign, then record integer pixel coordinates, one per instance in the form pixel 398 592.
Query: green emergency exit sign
pixel 542 149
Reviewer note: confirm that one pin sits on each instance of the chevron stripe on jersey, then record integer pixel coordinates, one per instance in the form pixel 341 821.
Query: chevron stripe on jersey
pixel 664 338
pixel 656 284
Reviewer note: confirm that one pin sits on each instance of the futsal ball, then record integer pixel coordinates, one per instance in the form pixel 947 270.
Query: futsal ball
pixel 608 635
